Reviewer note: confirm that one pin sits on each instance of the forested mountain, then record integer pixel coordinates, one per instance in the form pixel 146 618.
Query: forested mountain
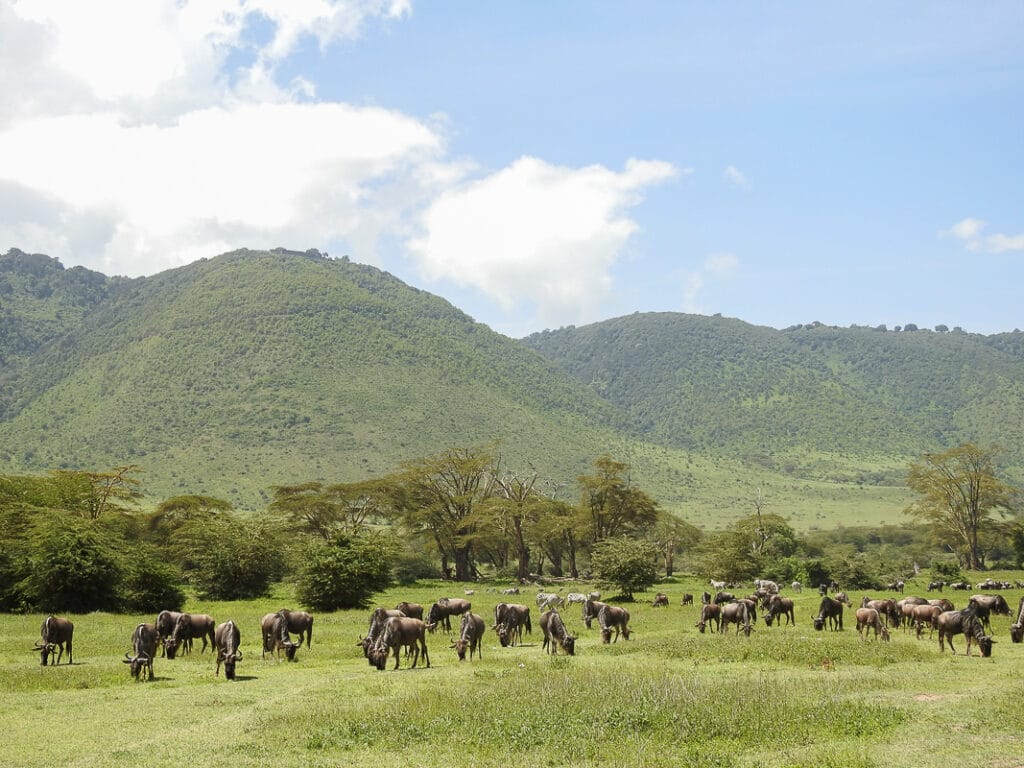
pixel 231 375
pixel 781 397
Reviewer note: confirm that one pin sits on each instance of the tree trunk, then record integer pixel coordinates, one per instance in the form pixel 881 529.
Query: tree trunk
pixel 464 563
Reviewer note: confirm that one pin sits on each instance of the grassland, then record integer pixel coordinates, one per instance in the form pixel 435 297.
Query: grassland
pixel 670 696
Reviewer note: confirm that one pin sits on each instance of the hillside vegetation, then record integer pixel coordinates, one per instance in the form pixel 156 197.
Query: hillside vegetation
pixel 230 375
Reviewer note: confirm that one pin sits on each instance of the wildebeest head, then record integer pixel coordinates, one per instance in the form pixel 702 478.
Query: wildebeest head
pixel 819 623
pixel 45 649
pixel 701 625
pixel 504 634
pixel 1017 633
pixel 230 659
pixel 136 663
pixel 170 647
pixel 569 645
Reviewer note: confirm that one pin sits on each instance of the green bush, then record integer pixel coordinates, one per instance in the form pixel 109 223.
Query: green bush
pixel 624 564
pixel 148 584
pixel 345 572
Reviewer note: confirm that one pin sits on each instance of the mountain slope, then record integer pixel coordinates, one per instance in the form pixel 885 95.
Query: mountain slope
pixel 251 369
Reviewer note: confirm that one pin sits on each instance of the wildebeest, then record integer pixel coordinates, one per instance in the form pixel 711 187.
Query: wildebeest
pixel 905 606
pixel 590 610
pixel 944 603
pixel 926 615
pixel 301 624
pixel 555 633
pixel 165 622
pixel 831 610
pixel 895 586
pixel 412 610
pixel 869 618
pixel 612 617
pixel 737 613
pixel 274 629
pixel 963 586
pixel 378 619
pixel 510 619
pixel 660 600
pixel 188 627
pixel 886 609
pixel 144 642
pixel 470 637
pixel 968 622
pixel 1017 628
pixel 55 634
pixel 687 599
pixel 226 641
pixel 442 611
pixel 709 612
pixel 936 585
pixel 400 632
pixel 990 604
pixel 779 606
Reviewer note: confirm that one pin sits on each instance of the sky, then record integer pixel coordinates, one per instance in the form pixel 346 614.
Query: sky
pixel 538 163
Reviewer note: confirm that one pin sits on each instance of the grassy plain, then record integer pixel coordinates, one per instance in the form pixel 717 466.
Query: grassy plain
pixel 669 697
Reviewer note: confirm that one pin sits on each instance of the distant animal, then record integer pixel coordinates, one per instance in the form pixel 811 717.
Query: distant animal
pixel 442 611
pixel 55 634
pixel 936 585
pixel 549 600
pixel 723 597
pixel 737 613
pixel 779 606
pixel 510 591
pixel 705 598
pixel 470 637
pixel 869 618
pixel 968 623
pixel 830 610
pixel 555 634
pixel 400 632
pixel 510 619
pixel 886 609
pixel 165 622
pixel 718 586
pixel 687 599
pixel 988 604
pixel 660 600
pixel 1017 628
pixel 961 585
pixel 770 587
pixel 905 606
pixel 301 624
pixel 895 586
pixel 575 597
pixel 709 612
pixel 611 617
pixel 226 645
pixel 144 642
pixel 796 586
pixel 943 603
pixel 925 616
pixel 274 629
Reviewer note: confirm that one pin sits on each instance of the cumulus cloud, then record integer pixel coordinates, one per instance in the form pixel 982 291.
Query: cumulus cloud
pixel 716 267
pixel 969 230
pixel 537 233
pixel 736 177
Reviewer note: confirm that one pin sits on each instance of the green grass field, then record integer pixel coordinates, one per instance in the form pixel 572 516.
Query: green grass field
pixel 669 697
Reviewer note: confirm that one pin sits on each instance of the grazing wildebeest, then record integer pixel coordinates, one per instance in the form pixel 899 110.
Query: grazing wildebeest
pixel 723 597
pixel 56 633
pixel 378 619
pixel 612 617
pixel 705 598
pixel 936 585
pixel 830 610
pixel 188 627
pixel 779 606
pixel 226 642
pixel 869 618
pixel 660 600
pixel 968 622
pixel 590 610
pixel 470 636
pixel 961 585
pixel 886 609
pixel 510 619
pixel 709 612
pixel 1017 628
pixel 442 611
pixel 687 599
pixel 274 628
pixel 990 604
pixel 412 610
pixel 895 586
pixel 144 641
pixel 737 613
pixel 555 633
pixel 925 615
pixel 400 632
pixel 301 624
pixel 905 606
pixel 165 622
pixel 944 603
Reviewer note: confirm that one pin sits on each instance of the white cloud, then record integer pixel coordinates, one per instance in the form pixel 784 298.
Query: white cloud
pixel 735 176
pixel 969 230
pixel 716 267
pixel 538 233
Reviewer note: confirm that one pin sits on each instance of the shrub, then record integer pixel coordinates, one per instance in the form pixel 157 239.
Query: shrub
pixel 148 584
pixel 624 564
pixel 345 571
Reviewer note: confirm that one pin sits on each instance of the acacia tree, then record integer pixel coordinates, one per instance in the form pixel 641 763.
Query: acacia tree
pixel 328 510
pixel 613 505
pixel 669 535
pixel 93 494
pixel 441 496
pixel 959 492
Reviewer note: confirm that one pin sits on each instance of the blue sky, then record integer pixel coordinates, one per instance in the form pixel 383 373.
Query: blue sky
pixel 538 163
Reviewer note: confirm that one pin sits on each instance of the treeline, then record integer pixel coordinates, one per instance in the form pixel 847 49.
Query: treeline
pixel 75 541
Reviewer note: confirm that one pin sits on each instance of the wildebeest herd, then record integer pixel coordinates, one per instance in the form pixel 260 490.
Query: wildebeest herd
pixel 404 628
